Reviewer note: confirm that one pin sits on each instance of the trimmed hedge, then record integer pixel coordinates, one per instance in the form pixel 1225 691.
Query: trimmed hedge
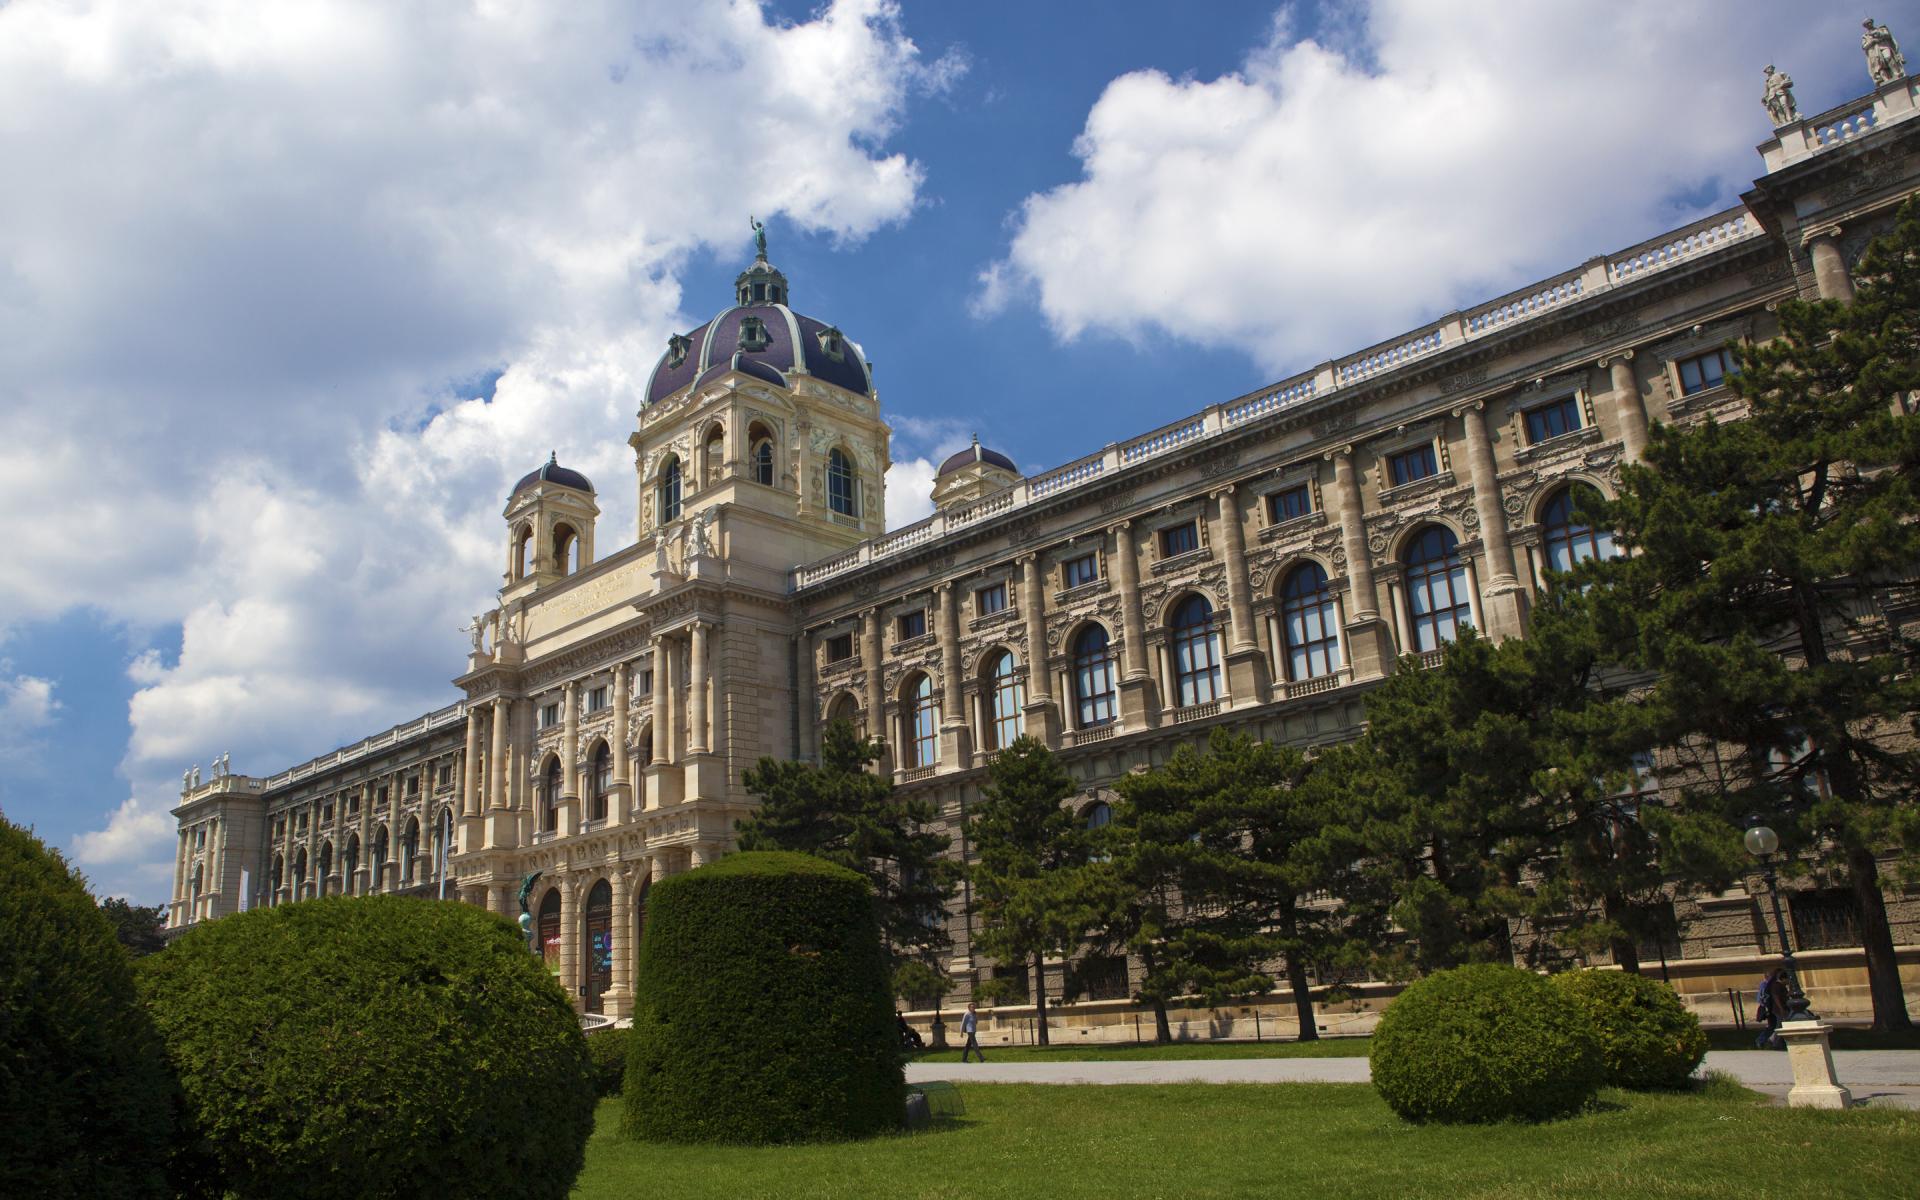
pixel 86 1101
pixel 375 1047
pixel 1485 1043
pixel 1648 1039
pixel 764 1013
pixel 607 1056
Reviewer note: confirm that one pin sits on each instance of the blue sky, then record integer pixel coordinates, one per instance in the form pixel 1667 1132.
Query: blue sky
pixel 289 295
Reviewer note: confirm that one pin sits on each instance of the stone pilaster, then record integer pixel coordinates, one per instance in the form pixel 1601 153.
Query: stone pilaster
pixel 697 742
pixel 1503 604
pixel 1139 706
pixel 956 741
pixel 501 830
pixel 875 669
pixel 1368 639
pixel 1042 718
pixel 1830 276
pixel 617 1000
pixel 622 718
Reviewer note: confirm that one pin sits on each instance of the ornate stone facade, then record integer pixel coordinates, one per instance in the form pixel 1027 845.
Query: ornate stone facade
pixel 1260 564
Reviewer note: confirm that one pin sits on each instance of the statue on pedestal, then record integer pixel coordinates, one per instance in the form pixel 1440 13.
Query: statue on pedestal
pixel 1777 95
pixel 1885 63
pixel 479 631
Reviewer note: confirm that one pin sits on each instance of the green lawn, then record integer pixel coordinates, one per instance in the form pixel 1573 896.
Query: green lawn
pixel 1343 1047
pixel 1308 1140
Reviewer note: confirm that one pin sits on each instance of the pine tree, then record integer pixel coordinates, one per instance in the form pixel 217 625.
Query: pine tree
pixel 1770 561
pixel 1028 846
pixel 847 814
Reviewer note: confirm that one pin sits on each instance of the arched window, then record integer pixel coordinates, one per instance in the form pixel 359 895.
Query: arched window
pixel 326 865
pixel 1568 539
pixel 1099 814
pixel 279 873
pixel 840 484
pixel 646 746
pixel 550 797
pixel 1093 677
pixel 1307 621
pixel 923 723
pixel 566 549
pixel 762 457
pixel 1005 700
pixel 843 708
pixel 379 857
pixel 299 871
pixel 522 553
pixel 409 850
pixel 713 457
pixel 1436 589
pixel 602 780
pixel 1196 653
pixel 670 490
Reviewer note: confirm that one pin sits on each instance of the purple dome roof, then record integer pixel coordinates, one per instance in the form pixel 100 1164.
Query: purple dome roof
pixel 552 472
pixel 973 454
pixel 792 340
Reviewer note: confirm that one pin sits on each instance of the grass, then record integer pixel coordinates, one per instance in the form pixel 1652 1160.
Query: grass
pixel 1342 1047
pixel 1320 1140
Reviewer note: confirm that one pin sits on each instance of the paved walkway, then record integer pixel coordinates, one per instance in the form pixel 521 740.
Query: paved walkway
pixel 1884 1078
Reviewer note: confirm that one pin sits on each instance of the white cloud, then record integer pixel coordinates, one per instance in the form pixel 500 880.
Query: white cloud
pixel 244 248
pixel 1330 194
pixel 925 442
pixel 27 706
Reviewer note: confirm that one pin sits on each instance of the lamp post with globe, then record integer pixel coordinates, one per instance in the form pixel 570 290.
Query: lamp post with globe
pixel 1763 843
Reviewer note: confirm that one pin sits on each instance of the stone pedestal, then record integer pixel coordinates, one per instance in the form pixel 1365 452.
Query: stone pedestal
pixel 1247 680
pixel 1139 703
pixel 1370 646
pixel 1810 1053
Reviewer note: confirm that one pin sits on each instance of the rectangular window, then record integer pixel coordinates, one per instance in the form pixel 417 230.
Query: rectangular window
pixel 353 803
pixel 646 682
pixel 1179 539
pixel 1823 920
pixel 1552 419
pixel 1410 465
pixel 989 600
pixel 1076 571
pixel 1103 977
pixel 413 785
pixel 840 649
pixel 913 625
pixel 549 715
pixel 1704 371
pixel 1286 505
pixel 326 818
pixel 445 777
pixel 596 699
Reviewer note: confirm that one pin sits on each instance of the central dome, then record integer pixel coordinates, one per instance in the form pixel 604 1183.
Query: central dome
pixel 761 336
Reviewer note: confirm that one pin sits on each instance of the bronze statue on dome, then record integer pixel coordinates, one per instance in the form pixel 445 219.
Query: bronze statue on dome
pixel 759 238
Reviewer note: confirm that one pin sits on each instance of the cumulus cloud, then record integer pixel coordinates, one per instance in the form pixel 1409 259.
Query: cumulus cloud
pixel 243 250
pixel 27 706
pixel 131 835
pixel 1415 158
pixel 920 444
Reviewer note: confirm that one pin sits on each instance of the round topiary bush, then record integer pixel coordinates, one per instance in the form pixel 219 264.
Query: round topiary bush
pixel 86 1100
pixel 763 1012
pixel 1485 1043
pixel 1648 1039
pixel 374 1047
pixel 607 1054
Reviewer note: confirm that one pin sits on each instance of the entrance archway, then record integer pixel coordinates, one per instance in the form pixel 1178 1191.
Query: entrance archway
pixel 597 969
pixel 548 930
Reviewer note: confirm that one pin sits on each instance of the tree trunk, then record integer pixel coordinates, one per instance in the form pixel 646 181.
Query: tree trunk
pixel 1040 999
pixel 1626 952
pixel 1302 998
pixel 1876 938
pixel 1162 1028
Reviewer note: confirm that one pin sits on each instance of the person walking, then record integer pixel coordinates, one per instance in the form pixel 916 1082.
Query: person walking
pixel 1770 1007
pixel 970 1025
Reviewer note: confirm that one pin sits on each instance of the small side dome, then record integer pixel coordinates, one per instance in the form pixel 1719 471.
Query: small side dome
pixel 552 472
pixel 976 453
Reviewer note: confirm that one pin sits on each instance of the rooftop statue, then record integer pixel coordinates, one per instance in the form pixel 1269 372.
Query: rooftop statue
pixel 1778 97
pixel 1885 63
pixel 759 237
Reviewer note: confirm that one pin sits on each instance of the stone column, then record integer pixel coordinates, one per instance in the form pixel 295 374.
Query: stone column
pixel 1247 680
pixel 699 854
pixel 570 741
pixel 497 757
pixel 1829 266
pixel 1629 409
pixel 956 748
pixel 697 691
pixel 1504 604
pixel 807 697
pixel 661 699
pixel 617 1000
pixel 622 717
pixel 1139 705
pixel 500 900
pixel 876 686
pixel 1367 636
pixel 1042 719
pixel 570 940
pixel 502 830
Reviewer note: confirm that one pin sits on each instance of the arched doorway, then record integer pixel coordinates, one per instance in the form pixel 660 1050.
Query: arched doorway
pixel 597 970
pixel 548 931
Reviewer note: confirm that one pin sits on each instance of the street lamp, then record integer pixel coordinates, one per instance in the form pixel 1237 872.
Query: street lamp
pixel 1763 843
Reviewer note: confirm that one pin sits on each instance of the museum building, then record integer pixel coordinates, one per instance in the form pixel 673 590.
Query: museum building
pixel 1259 564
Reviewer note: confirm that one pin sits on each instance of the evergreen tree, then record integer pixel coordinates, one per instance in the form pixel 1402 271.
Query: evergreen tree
pixel 138 926
pixel 1028 847
pixel 1763 553
pixel 846 813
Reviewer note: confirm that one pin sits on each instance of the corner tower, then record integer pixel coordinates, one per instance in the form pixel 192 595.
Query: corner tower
pixel 550 516
pixel 760 441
